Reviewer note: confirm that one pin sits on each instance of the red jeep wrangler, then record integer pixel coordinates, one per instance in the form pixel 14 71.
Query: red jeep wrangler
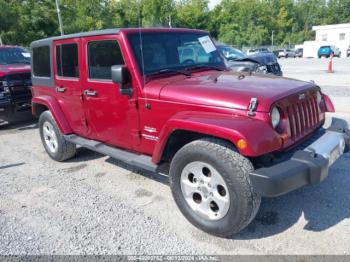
pixel 230 138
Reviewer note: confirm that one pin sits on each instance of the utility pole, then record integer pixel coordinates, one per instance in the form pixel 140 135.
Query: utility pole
pixel 272 39
pixel 170 25
pixel 59 17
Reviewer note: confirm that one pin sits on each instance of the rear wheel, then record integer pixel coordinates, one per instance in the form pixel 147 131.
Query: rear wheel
pixel 54 142
pixel 210 184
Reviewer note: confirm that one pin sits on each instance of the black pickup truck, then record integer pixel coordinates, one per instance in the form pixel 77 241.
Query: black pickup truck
pixel 15 82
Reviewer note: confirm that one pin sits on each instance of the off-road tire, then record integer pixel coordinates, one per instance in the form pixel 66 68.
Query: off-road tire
pixel 234 169
pixel 65 149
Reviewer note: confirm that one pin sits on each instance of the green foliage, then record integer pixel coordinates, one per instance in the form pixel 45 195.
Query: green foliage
pixel 7 16
pixel 236 22
pixel 157 12
pixel 192 13
pixel 34 19
pixel 83 15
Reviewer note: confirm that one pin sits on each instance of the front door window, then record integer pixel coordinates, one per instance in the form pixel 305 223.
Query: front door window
pixel 103 55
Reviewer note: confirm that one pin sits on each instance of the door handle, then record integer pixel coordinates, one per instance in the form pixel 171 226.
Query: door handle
pixel 60 89
pixel 90 93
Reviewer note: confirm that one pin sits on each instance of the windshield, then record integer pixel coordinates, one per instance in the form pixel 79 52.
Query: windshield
pixel 231 53
pixel 174 50
pixel 10 56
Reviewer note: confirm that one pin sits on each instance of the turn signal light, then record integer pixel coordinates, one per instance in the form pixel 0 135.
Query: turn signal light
pixel 242 144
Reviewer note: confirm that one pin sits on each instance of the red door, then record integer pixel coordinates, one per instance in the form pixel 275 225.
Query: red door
pixel 67 62
pixel 112 117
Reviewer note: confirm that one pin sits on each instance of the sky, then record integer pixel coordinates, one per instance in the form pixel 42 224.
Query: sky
pixel 213 3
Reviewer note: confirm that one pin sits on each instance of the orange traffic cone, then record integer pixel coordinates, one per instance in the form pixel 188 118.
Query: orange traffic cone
pixel 330 64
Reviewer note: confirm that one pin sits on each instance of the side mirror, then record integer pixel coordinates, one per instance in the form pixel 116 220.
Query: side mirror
pixel 120 76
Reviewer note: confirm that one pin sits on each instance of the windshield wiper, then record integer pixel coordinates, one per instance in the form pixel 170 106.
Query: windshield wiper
pixel 218 68
pixel 169 70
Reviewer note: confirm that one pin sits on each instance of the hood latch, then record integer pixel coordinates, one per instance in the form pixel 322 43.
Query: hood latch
pixel 252 106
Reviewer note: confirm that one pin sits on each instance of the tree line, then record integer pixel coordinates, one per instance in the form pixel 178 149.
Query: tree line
pixel 235 22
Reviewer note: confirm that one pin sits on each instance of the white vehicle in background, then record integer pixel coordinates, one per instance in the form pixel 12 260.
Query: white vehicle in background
pixel 257 51
pixel 286 53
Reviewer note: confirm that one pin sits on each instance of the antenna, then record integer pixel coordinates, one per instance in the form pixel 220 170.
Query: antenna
pixel 141 48
pixel 142 58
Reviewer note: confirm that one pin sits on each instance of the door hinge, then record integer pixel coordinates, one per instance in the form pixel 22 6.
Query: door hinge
pixel 253 104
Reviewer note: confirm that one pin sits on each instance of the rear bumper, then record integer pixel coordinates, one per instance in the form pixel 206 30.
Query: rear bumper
pixel 306 167
pixel 324 54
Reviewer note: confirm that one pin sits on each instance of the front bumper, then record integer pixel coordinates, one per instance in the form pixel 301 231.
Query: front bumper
pixel 306 167
pixel 5 107
pixel 8 108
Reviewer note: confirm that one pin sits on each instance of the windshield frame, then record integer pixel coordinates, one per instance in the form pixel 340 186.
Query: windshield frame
pixel 24 60
pixel 177 67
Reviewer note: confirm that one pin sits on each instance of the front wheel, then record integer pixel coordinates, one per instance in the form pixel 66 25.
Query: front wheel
pixel 54 142
pixel 211 186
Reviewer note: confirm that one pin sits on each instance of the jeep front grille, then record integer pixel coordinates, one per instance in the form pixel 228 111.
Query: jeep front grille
pixel 19 86
pixel 303 117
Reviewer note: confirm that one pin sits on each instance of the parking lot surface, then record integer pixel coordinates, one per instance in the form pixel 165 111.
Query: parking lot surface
pixel 93 204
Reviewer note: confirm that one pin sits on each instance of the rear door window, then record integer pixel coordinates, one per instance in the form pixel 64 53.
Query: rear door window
pixel 67 60
pixel 101 56
pixel 41 61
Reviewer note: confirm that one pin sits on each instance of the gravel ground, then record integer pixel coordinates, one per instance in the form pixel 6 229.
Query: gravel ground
pixel 96 205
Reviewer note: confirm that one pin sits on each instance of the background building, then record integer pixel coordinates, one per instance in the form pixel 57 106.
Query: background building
pixel 337 35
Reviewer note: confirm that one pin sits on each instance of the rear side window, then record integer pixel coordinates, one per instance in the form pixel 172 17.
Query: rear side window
pixel 41 61
pixel 102 55
pixel 67 60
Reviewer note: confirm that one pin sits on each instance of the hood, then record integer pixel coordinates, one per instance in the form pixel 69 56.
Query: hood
pixel 243 65
pixel 226 89
pixel 12 69
pixel 246 61
pixel 263 58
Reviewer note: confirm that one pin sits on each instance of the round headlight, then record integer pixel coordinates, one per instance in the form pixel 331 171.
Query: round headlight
pixel 319 97
pixel 275 117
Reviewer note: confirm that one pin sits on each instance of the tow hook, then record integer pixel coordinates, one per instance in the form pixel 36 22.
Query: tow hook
pixel 252 106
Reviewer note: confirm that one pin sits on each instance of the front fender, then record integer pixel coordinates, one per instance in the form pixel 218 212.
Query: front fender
pixel 260 137
pixel 56 111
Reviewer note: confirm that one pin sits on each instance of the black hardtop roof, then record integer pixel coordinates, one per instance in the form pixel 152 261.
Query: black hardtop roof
pixel 111 31
pixel 77 35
